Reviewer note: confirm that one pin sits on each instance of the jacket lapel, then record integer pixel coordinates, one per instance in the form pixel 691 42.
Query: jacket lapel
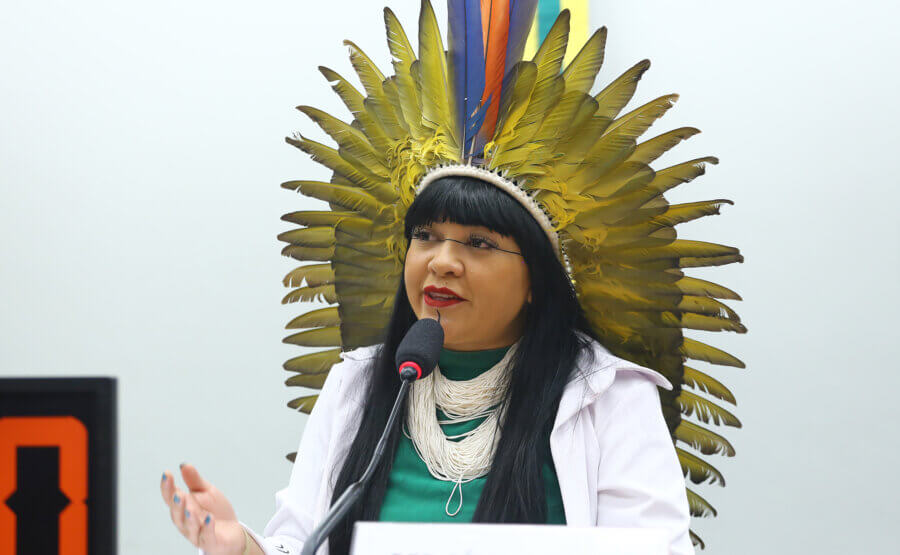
pixel 573 442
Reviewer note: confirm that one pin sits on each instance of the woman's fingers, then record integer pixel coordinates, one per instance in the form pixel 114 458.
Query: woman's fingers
pixel 176 509
pixel 192 478
pixel 197 513
pixel 192 518
pixel 165 487
pixel 207 538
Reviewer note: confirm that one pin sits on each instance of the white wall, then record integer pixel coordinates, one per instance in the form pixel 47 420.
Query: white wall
pixel 141 152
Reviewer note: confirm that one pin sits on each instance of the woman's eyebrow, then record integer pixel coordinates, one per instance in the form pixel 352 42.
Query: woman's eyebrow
pixel 491 234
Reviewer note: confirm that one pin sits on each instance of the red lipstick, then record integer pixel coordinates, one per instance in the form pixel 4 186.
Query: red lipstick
pixel 443 297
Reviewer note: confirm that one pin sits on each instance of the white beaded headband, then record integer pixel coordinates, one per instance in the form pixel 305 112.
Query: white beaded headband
pixel 511 187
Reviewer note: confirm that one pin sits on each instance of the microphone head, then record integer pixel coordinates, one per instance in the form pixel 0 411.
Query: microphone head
pixel 418 353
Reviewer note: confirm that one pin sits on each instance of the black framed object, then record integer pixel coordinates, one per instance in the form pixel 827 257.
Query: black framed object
pixel 58 466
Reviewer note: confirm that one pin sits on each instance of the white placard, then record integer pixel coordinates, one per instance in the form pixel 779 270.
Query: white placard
pixel 400 538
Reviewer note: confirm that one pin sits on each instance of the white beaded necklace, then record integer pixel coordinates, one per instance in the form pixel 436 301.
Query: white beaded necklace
pixel 471 457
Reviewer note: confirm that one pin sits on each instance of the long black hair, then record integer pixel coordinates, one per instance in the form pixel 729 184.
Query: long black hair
pixel 543 362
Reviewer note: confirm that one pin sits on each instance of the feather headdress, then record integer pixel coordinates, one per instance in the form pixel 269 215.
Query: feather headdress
pixel 536 126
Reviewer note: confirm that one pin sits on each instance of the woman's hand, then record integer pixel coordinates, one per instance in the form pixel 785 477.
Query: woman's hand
pixel 203 515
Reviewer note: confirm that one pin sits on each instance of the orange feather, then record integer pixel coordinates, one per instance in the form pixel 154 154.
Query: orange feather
pixel 495 27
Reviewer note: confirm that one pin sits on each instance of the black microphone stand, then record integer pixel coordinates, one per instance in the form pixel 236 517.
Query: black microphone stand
pixel 355 490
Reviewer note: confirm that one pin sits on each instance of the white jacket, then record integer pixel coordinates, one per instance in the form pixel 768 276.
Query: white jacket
pixel 614 458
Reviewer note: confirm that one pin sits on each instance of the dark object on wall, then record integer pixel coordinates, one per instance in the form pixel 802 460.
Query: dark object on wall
pixel 58 466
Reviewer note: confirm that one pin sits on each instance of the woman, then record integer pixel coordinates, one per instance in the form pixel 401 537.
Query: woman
pixel 518 207
pixel 570 406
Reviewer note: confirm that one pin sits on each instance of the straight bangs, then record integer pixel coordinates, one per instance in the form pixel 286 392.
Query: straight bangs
pixel 468 201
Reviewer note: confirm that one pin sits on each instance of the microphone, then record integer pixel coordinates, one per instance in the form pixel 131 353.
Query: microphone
pixel 418 353
pixel 416 357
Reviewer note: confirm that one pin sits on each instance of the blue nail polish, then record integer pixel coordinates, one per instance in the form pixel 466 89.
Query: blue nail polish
pixel 176 499
pixel 187 513
pixel 164 477
pixel 207 520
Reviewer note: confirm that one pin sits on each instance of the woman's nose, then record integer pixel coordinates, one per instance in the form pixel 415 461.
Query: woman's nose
pixel 446 259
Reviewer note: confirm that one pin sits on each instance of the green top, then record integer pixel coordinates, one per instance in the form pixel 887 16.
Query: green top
pixel 414 495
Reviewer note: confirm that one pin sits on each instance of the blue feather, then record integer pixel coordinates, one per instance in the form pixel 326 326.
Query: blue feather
pixel 521 18
pixel 466 49
pixel 475 141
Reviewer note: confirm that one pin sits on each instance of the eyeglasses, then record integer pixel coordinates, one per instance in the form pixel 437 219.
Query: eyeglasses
pixel 477 246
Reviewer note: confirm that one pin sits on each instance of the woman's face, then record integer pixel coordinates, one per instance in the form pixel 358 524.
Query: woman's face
pixel 491 286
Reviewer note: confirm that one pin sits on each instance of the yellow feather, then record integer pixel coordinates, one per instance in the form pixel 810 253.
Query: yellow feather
pixel 600 182
pixel 698 470
pixel 617 94
pixel 701 351
pixel 355 102
pixel 707 384
pixel 675 214
pixel 298 252
pixel 350 140
pixel 312 274
pixel 322 317
pixel 680 173
pixel 544 97
pixel 320 237
pixel 348 197
pixel 580 74
pixel 522 81
pixel 312 293
pixel 351 97
pixel 438 107
pixel 610 150
pixel 695 286
pixel 304 404
pixel 705 441
pixel 403 57
pixel 652 149
pixel 377 186
pixel 696 540
pixel 636 122
pixel 549 84
pixel 706 410
pixel 549 57
pixel 314 363
pixel 392 93
pixel 312 381
pixel 710 323
pixel 316 217
pixel 361 228
pixel 372 79
pixel 692 262
pixel 699 506
pixel 708 306
pixel 319 337
pixel 561 118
